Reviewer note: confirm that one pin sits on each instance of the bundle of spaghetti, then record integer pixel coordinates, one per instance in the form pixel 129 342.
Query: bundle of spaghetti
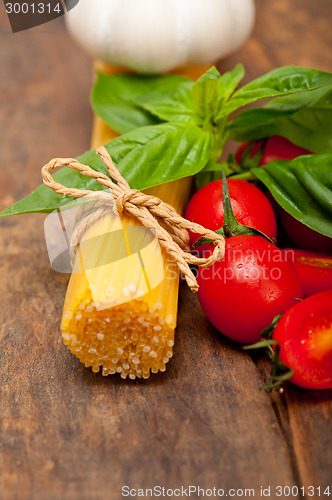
pixel 120 311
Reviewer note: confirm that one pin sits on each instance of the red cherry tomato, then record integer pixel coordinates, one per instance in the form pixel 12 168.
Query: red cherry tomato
pixel 250 206
pixel 304 237
pixel 280 148
pixel 304 334
pixel 314 270
pixel 276 148
pixel 243 292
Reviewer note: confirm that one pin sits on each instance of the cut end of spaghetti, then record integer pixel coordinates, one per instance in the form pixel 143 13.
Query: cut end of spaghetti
pixel 132 342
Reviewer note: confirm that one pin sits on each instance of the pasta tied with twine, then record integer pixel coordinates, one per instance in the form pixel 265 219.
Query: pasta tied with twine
pixel 170 228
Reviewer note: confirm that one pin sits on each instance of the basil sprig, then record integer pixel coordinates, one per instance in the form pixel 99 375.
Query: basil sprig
pixel 173 127
pixel 185 151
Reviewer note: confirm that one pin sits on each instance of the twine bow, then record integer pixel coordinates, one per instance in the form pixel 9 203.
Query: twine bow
pixel 170 228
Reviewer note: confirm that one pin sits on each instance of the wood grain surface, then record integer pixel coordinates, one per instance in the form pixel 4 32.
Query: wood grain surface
pixel 69 434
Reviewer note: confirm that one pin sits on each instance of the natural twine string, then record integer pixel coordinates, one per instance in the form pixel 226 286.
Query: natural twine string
pixel 171 229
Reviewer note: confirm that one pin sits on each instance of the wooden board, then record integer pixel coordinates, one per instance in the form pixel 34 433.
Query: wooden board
pixel 69 434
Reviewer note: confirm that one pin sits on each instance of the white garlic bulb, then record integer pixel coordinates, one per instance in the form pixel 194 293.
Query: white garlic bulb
pixel 157 36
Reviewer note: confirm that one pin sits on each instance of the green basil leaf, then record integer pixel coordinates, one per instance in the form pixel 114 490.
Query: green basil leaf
pixel 296 102
pixel 174 152
pixel 114 98
pixel 303 119
pixel 176 107
pixel 146 157
pixel 229 81
pixel 205 93
pixel 212 90
pixel 279 82
pixel 303 187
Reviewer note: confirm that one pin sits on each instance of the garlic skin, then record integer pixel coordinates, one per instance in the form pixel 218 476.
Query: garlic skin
pixel 157 36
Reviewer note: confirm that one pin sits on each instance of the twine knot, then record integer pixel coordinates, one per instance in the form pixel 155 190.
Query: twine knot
pixel 170 228
pixel 124 198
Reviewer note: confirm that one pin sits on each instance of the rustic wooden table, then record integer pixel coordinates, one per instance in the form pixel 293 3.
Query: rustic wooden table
pixel 68 434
